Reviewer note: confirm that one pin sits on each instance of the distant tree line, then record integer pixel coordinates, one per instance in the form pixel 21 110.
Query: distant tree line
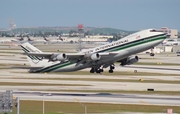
pixel 72 33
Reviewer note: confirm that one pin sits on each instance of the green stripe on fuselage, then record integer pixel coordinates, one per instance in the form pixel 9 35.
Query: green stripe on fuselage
pixel 137 43
pixel 55 67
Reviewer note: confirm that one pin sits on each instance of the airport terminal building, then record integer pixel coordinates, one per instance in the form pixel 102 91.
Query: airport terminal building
pixel 173 33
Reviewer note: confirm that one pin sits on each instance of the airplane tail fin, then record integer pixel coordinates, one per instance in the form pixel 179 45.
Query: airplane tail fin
pixel 33 60
pixel 45 38
pixel 60 38
pixel 29 39
pixel 21 39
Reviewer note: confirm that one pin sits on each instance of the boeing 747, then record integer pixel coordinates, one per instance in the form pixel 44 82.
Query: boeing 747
pixel 96 58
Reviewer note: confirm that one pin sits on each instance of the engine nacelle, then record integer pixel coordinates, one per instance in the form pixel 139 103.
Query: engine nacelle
pixel 61 57
pixel 130 60
pixel 58 57
pixel 95 56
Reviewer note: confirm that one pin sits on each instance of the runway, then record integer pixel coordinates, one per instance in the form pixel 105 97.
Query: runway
pixel 101 98
pixel 91 85
pixel 161 78
pixel 153 69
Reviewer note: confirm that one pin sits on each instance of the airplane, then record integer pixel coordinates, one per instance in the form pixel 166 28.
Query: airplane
pixel 53 41
pixel 32 41
pixel 5 41
pixel 102 43
pixel 97 58
pixel 170 42
pixel 18 40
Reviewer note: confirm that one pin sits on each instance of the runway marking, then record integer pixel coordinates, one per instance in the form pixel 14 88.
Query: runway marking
pixel 14 97
pixel 143 102
pixel 76 99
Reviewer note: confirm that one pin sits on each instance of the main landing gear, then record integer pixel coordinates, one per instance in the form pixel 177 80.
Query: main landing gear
pixel 111 69
pixel 96 69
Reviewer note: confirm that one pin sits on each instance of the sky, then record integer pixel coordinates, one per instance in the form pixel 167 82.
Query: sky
pixel 120 14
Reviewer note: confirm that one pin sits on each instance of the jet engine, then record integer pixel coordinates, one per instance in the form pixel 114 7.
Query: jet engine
pixel 95 56
pixel 58 57
pixel 129 60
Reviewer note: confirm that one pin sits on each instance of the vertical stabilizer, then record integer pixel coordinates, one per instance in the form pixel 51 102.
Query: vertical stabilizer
pixel 34 60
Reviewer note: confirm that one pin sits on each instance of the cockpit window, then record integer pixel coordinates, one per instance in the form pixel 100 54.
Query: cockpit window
pixel 167 31
pixel 156 30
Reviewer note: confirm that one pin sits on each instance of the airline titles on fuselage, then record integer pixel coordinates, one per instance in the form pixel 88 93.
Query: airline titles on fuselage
pixel 106 46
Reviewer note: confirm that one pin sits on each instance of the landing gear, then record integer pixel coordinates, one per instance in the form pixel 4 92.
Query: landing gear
pixel 111 69
pixel 99 69
pixel 92 70
pixel 96 69
pixel 152 54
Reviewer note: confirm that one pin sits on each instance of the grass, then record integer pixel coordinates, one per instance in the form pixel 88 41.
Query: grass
pixel 37 84
pixel 35 107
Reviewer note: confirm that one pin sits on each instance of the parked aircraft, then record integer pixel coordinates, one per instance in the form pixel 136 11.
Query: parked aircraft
pixel 5 41
pixel 53 41
pixel 18 40
pixel 102 43
pixel 170 42
pixel 32 41
pixel 96 58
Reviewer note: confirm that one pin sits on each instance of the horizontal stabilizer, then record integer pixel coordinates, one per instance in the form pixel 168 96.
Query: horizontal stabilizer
pixel 48 55
pixel 26 67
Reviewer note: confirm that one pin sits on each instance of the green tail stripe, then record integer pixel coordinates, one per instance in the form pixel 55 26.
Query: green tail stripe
pixel 28 55
pixel 32 57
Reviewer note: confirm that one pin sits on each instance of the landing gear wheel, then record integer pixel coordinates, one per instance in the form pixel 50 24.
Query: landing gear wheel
pixel 152 54
pixel 110 71
pixel 98 71
pixel 112 67
pixel 101 70
pixel 92 70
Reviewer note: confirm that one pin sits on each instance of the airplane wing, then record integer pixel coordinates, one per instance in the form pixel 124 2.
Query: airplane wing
pixel 49 55
pixel 45 55
pixel 70 56
pixel 25 67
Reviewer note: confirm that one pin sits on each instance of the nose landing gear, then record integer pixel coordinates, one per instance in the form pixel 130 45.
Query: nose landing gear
pixel 152 52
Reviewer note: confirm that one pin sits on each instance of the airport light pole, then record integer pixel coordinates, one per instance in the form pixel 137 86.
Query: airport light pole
pixel 83 105
pixel 18 105
pixel 81 34
pixel 43 104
